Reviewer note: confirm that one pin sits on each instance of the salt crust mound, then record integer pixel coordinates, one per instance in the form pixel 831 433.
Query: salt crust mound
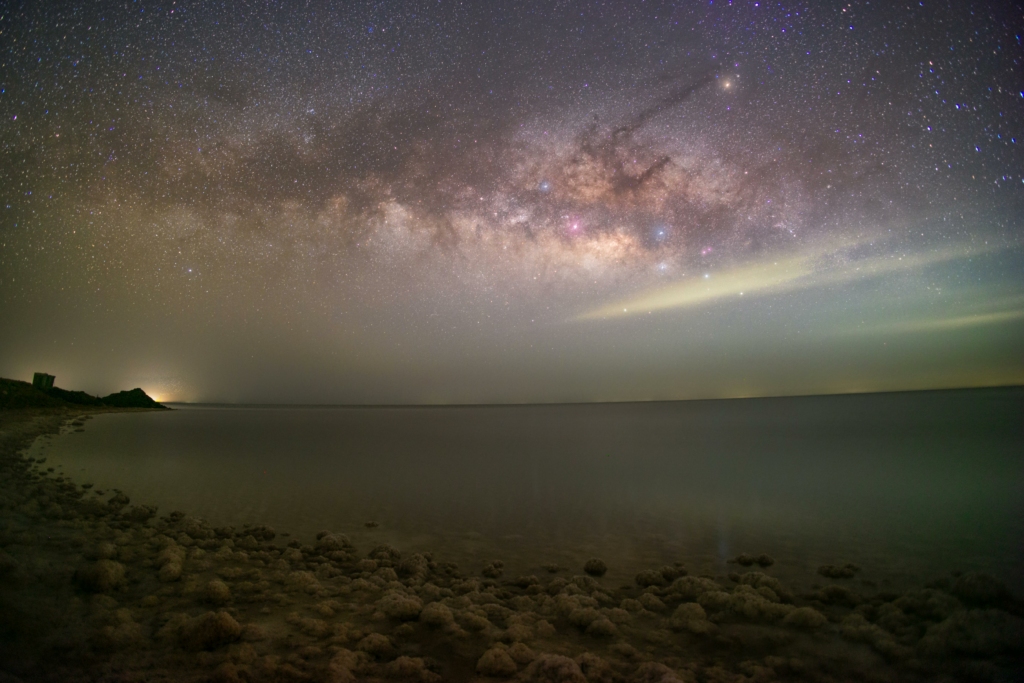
pixel 497 663
pixel 205 632
pixel 101 576
pixel 554 669
pixel 218 592
pixel 398 605
pixel 95 588
pixel 437 615
pixel 691 617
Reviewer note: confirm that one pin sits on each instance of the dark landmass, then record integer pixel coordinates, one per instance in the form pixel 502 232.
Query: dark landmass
pixel 76 397
pixel 136 398
pixel 15 394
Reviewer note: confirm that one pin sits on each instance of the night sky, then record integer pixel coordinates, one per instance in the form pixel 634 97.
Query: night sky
pixel 450 201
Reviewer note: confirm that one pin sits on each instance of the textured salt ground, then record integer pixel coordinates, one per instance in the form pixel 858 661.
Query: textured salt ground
pixel 93 587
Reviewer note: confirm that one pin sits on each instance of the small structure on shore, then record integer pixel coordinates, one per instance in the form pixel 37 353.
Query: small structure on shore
pixel 41 380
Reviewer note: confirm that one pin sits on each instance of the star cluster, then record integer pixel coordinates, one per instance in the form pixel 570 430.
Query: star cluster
pixel 453 200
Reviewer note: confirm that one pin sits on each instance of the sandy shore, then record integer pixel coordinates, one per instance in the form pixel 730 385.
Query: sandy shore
pixel 96 586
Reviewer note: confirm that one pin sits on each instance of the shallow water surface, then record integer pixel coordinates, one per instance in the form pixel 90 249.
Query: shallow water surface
pixel 906 485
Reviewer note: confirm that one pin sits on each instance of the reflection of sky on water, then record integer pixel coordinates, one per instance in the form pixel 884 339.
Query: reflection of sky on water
pixel 898 483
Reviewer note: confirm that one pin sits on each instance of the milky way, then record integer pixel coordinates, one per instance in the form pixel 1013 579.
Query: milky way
pixel 445 201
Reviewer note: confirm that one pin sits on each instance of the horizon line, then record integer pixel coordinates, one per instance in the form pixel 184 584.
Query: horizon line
pixel 586 403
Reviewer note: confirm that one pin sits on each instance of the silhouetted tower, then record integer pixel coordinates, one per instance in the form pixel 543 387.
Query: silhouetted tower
pixel 41 380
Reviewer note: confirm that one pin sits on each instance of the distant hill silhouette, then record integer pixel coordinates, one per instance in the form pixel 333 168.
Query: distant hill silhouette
pixel 136 398
pixel 17 394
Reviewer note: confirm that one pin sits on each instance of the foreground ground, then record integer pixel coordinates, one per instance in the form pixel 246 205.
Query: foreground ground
pixel 94 587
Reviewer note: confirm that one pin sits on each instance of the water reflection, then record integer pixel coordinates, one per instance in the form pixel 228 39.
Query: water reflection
pixel 900 483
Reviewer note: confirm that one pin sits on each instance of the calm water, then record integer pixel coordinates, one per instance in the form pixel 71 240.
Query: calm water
pixel 907 485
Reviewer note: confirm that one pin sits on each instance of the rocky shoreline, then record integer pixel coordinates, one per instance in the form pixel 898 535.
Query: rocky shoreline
pixel 94 587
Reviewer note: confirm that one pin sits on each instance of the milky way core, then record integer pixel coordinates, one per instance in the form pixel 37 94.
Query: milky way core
pixel 477 201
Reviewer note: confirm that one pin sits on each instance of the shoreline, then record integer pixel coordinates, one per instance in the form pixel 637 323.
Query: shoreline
pixel 471 497
pixel 103 587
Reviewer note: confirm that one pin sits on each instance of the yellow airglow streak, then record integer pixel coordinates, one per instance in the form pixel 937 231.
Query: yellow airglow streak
pixel 942 324
pixel 817 268
pixel 698 290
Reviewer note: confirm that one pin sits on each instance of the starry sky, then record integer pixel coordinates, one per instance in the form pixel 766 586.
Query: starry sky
pixel 446 202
